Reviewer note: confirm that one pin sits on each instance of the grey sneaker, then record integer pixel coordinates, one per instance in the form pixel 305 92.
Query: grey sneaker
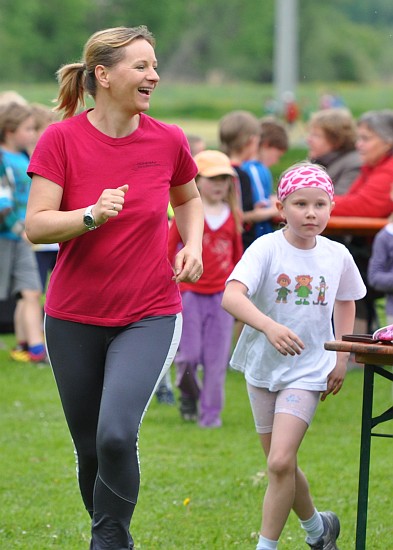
pixel 331 532
pixel 165 395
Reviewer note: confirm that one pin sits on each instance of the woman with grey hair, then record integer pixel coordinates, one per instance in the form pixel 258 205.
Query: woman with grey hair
pixel 369 196
pixel 331 143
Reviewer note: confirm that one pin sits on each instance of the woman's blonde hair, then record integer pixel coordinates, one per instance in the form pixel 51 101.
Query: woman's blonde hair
pixel 104 47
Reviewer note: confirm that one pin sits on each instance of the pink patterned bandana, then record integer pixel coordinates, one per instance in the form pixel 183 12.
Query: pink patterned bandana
pixel 303 176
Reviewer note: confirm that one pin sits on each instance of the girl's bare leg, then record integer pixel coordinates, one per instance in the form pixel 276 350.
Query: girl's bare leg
pixel 288 487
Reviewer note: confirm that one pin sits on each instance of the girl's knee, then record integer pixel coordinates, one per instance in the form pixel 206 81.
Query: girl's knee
pixel 280 464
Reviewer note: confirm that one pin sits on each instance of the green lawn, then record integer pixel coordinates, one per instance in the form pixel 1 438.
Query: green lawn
pixel 221 471
pixel 199 100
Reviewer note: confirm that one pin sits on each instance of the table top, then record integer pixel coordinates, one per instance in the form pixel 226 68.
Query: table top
pixel 378 354
pixel 353 225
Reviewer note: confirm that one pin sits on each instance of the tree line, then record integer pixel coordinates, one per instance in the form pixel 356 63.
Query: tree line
pixel 224 40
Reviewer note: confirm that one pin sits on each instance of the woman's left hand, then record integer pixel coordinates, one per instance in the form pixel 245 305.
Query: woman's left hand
pixel 188 266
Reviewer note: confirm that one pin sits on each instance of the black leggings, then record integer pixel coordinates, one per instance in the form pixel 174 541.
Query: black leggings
pixel 106 377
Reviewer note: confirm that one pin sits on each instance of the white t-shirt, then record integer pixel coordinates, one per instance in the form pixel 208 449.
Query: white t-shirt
pixel 296 288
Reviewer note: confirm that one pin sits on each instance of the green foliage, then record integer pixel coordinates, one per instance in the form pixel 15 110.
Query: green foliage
pixel 38 36
pixel 351 58
pixel 222 472
pixel 211 40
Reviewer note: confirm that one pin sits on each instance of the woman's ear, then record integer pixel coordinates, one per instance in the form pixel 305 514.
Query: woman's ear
pixel 101 74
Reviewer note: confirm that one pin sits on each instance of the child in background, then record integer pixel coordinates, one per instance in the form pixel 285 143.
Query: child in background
pixel 380 267
pixel 43 116
pixel 46 254
pixel 196 143
pixel 11 96
pixel 239 139
pixel 207 328
pixel 272 145
pixel 276 290
pixel 164 392
pixel 18 267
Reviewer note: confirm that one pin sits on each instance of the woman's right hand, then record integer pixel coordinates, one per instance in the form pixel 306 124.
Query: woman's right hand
pixel 109 205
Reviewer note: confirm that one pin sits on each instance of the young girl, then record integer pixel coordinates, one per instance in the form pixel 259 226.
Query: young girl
pixel 207 328
pixel 286 289
pixel 19 275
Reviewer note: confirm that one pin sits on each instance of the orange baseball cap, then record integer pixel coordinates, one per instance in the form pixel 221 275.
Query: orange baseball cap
pixel 212 163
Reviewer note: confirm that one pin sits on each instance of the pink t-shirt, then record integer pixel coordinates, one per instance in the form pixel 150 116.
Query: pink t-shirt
pixel 120 272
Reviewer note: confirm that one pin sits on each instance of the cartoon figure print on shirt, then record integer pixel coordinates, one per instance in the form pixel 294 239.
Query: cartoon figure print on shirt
pixel 303 290
pixel 282 292
pixel 322 288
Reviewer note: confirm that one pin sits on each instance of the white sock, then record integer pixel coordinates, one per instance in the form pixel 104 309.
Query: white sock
pixel 266 544
pixel 313 527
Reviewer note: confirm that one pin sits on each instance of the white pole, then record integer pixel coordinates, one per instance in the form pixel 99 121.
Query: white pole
pixel 285 48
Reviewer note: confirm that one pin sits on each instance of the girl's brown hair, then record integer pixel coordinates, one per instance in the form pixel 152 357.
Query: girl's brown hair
pixel 11 117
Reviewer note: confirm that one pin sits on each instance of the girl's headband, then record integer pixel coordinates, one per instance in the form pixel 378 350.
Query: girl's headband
pixel 301 177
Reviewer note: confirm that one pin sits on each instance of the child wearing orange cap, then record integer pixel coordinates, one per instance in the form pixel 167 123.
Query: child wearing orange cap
pixel 286 289
pixel 207 328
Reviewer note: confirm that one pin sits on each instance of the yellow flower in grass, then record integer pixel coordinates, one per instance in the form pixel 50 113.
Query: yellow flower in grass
pixel 186 501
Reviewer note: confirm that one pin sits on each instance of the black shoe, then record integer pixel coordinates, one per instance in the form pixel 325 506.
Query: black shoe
pixel 188 409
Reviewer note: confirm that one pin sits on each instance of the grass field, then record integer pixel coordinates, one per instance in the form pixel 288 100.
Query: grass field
pixel 200 489
pixel 221 472
pixel 197 107
pixel 191 100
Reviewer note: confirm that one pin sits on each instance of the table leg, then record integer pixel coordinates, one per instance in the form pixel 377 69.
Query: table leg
pixel 365 448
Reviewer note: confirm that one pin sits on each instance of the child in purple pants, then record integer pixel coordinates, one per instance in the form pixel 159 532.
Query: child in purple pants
pixel 207 328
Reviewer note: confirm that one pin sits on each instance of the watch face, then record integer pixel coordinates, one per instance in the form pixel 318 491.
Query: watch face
pixel 88 220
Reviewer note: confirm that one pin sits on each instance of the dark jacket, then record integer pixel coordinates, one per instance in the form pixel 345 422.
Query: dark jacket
pixel 343 168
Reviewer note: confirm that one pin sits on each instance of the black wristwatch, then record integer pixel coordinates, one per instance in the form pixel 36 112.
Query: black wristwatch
pixel 88 218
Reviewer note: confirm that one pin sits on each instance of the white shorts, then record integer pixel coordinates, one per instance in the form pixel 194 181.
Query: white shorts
pixel 265 404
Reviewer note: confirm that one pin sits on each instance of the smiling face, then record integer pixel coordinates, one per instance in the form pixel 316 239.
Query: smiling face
pixel 306 212
pixel 372 148
pixel 131 82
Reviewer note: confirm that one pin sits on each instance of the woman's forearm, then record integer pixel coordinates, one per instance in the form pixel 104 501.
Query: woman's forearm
pixel 53 226
pixel 190 222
